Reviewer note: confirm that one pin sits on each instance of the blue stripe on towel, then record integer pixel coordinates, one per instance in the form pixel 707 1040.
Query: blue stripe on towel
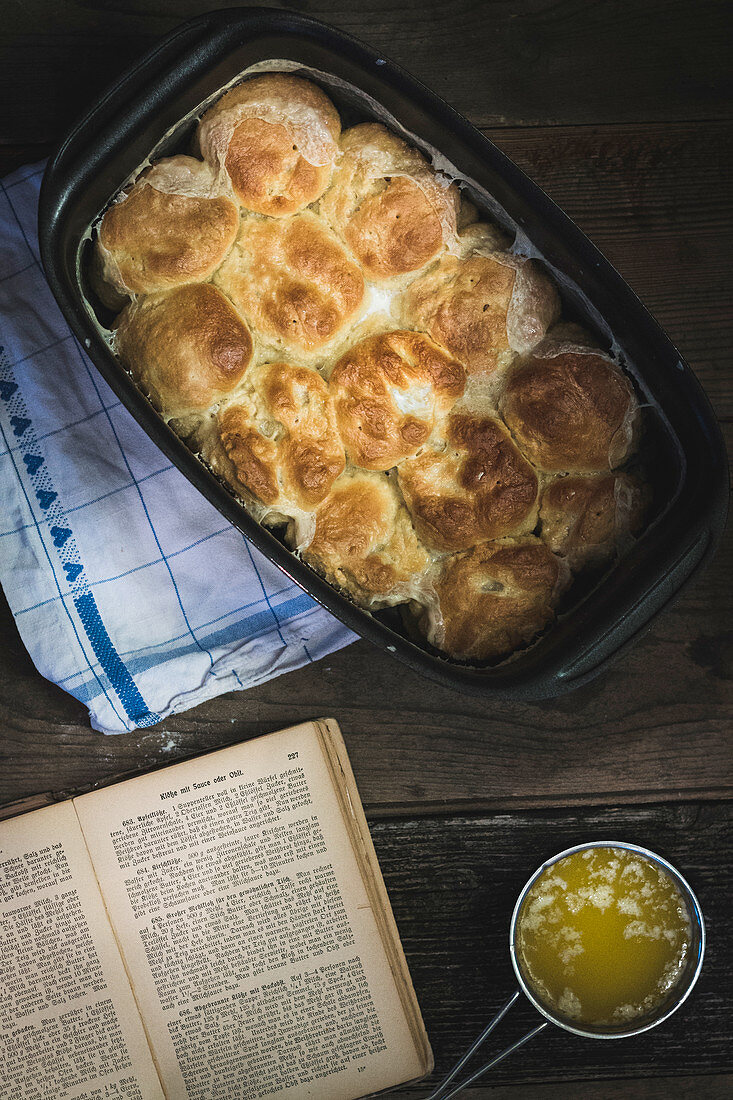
pixel 72 567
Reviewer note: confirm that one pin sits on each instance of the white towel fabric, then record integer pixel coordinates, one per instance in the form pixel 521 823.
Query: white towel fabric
pixel 129 589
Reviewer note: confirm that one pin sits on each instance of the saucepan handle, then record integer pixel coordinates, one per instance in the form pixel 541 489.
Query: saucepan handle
pixel 441 1094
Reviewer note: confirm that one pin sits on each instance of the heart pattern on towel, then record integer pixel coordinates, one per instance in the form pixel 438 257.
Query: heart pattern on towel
pixel 45 498
pixel 19 425
pixel 72 570
pixel 33 463
pixel 59 535
pixel 7 389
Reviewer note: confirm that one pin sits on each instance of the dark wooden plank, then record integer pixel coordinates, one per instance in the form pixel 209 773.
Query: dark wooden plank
pixel 453 883
pixel 657 723
pixel 500 62
pixel 709 1087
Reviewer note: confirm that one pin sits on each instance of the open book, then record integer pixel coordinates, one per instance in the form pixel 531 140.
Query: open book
pixel 218 929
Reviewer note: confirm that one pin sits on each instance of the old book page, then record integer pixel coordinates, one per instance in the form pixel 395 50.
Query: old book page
pixel 255 955
pixel 353 812
pixel 69 1026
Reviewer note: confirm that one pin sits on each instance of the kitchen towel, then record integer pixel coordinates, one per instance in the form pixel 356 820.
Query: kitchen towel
pixel 129 589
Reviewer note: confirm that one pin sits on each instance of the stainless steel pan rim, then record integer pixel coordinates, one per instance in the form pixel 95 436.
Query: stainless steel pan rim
pixel 676 997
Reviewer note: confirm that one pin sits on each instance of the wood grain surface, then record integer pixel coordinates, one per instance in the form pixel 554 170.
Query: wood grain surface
pixel 500 62
pixel 622 111
pixel 453 882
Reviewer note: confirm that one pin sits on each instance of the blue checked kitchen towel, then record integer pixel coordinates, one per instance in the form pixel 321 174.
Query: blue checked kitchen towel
pixel 128 587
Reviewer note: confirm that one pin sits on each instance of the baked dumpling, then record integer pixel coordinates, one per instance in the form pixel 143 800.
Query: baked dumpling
pixel 172 228
pixel 473 486
pixel 493 599
pixel 276 439
pixel 573 411
pixel 389 391
pixel 483 304
pixel 186 349
pixel 364 541
pixel 588 520
pixel 275 137
pixel 293 280
pixel 388 204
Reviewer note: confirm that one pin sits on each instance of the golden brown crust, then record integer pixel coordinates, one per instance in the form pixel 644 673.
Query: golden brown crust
pixel 587 519
pixel 483 305
pixel 186 349
pixel 261 152
pixel 253 457
pixel 279 434
pixel 494 598
pixel 478 487
pixel 463 304
pixel 293 280
pixel 389 391
pixel 156 239
pixel 386 248
pixel 387 204
pixel 276 137
pixel 364 541
pixel 571 412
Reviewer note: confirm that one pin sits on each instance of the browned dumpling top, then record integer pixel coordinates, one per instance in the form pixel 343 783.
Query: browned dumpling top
pixel 365 543
pixel 587 520
pixel 494 598
pixel 172 228
pixel 473 485
pixel 574 412
pixel 186 349
pixel 276 138
pixel 293 280
pixel 482 303
pixel 387 204
pixel 390 393
pixel 276 438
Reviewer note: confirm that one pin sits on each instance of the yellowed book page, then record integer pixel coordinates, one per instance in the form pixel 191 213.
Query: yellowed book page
pixel 256 958
pixel 348 795
pixel 69 1026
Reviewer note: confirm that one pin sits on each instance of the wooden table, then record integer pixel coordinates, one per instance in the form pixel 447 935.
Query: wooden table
pixel 622 112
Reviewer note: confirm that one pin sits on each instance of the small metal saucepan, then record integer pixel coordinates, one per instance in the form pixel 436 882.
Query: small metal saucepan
pixel 674 998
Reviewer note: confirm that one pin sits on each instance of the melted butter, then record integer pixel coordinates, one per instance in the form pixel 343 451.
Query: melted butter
pixel 602 936
pixel 377 300
pixel 417 401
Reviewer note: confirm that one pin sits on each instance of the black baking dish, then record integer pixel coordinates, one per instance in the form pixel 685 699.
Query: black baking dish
pixel 688 471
